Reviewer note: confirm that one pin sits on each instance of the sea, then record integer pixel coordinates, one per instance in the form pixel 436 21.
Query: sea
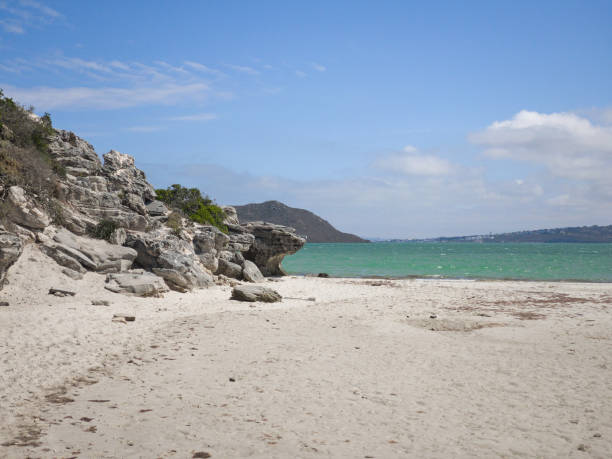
pixel 456 260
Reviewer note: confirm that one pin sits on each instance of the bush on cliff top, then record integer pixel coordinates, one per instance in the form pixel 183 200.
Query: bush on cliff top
pixel 200 209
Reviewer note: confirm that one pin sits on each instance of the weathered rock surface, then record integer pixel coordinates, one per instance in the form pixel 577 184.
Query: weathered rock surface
pixel 157 208
pixel 229 269
pixel 255 293
pixel 136 283
pixel 231 216
pixel 251 273
pixel 93 254
pixel 22 210
pixel 10 249
pixel 272 243
pixel 172 258
pixel 123 174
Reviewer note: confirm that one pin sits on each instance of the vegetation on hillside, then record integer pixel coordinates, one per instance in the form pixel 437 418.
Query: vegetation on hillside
pixel 24 154
pixel 189 201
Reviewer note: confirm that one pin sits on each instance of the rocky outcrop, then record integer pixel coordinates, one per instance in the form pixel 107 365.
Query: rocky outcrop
pixel 10 249
pixel 116 191
pixel 114 200
pixel 272 243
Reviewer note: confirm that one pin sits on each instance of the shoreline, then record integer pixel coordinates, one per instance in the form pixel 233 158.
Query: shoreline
pixel 452 278
pixel 373 367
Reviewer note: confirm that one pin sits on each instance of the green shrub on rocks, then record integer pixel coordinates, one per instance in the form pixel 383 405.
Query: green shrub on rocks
pixel 104 229
pixel 189 201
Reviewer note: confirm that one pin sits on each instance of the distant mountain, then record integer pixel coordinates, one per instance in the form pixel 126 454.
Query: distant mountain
pixel 570 234
pixel 305 222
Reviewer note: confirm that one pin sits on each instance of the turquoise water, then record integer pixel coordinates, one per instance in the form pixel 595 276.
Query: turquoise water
pixel 532 261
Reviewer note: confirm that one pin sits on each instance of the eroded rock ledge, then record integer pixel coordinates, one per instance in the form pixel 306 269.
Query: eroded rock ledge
pixel 144 256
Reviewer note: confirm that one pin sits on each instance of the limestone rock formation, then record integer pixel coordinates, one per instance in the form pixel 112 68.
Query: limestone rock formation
pixel 272 243
pixel 114 200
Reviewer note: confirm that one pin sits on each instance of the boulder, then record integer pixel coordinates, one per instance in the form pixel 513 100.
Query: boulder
pixel 272 243
pixel 251 273
pixel 255 293
pixel 10 250
pixel 136 283
pixel 229 269
pixel 23 210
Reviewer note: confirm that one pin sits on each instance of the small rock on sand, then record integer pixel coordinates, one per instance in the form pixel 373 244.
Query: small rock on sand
pixel 4 303
pixel 100 302
pixel 255 293
pixel 123 318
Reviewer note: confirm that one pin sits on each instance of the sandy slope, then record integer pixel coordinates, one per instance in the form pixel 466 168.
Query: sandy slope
pixel 504 369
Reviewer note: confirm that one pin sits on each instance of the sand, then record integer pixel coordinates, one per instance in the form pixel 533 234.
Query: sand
pixel 381 369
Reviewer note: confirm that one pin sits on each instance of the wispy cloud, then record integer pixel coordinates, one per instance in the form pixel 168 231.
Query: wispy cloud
pixel 300 74
pixel 21 14
pixel 47 98
pixel 109 84
pixel 202 68
pixel 195 117
pixel 319 67
pixel 144 128
pixel 243 69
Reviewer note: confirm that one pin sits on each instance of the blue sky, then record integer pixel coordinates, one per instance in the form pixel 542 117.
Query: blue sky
pixel 389 119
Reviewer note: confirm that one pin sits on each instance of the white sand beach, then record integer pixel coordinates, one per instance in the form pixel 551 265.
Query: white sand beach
pixel 370 369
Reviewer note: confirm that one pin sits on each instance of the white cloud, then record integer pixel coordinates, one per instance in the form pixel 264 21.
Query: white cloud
pixel 568 145
pixel 300 74
pixel 195 117
pixel 410 162
pixel 319 67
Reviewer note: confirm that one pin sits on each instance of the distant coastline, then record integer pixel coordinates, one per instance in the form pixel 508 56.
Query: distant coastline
pixel 578 234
